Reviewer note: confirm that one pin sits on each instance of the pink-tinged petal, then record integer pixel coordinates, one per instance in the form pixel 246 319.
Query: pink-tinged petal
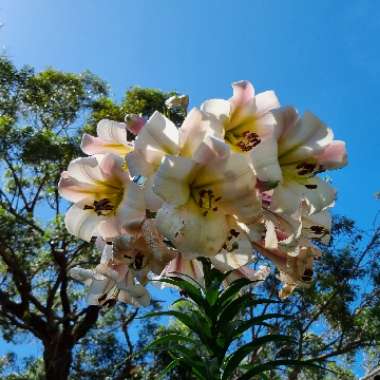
pixel 74 190
pixel 282 229
pixel 264 158
pixel 173 178
pixel 334 156
pixel 243 93
pixel 305 139
pixel 86 169
pixel 112 169
pixel 158 138
pixel 182 266
pixel 182 224
pixel 218 108
pixel 135 123
pixel 211 149
pixel 82 223
pixel 266 102
pixel 256 275
pixel 194 130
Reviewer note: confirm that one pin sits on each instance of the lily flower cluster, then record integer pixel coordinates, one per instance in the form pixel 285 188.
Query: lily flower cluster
pixel 238 177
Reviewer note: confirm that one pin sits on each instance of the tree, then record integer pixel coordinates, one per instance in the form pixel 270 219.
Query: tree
pixel 41 118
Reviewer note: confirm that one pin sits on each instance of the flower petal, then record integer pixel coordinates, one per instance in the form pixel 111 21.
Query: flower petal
pixel 172 181
pixel 334 156
pixel 265 102
pixel 306 138
pixel 158 137
pixel 243 93
pixel 219 108
pixel 192 230
pixel 320 197
pixel 265 161
pixel 317 226
pixel 82 223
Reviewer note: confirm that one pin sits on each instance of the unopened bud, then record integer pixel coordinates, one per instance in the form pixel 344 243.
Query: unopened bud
pixel 134 123
pixel 177 101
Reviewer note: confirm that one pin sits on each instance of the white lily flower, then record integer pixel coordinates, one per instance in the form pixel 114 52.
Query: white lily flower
pixel 112 138
pixel 110 282
pixel 104 197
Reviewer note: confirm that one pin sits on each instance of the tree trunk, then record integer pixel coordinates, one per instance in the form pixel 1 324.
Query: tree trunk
pixel 293 375
pixel 57 359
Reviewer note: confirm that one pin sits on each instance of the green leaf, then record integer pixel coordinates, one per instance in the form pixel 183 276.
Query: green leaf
pixel 195 321
pixel 168 368
pixel 235 358
pixel 237 305
pixel 245 325
pixel 188 288
pixel 260 368
pixel 167 339
pixel 230 293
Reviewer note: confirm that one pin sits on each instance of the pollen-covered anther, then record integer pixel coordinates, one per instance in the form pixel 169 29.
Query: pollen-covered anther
pixel 102 207
pixel 249 141
pixel 208 201
pixel 307 275
pixel 319 230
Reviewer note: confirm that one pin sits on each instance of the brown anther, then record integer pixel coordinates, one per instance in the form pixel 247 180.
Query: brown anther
pixel 311 186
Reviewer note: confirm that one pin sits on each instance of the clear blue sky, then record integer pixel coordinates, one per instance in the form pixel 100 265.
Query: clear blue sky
pixel 321 56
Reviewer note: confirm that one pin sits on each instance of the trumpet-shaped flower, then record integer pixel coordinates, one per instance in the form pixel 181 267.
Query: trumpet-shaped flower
pixel 104 197
pixel 112 138
pixel 246 122
pixel 200 195
pixel 110 282
pixel 305 148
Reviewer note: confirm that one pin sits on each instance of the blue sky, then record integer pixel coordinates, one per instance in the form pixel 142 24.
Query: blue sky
pixel 321 56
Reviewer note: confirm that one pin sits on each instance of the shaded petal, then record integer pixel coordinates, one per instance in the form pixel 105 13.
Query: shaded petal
pixel 172 181
pixel 317 226
pixel 211 149
pixel 192 132
pixel 191 230
pixel 256 275
pixel 219 108
pixel 158 137
pixel 182 266
pixel 306 138
pixel 85 276
pixel 265 161
pixel 287 197
pixel 137 165
pixel 320 198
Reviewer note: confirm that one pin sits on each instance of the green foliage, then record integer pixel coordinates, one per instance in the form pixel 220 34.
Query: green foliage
pixel 215 324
